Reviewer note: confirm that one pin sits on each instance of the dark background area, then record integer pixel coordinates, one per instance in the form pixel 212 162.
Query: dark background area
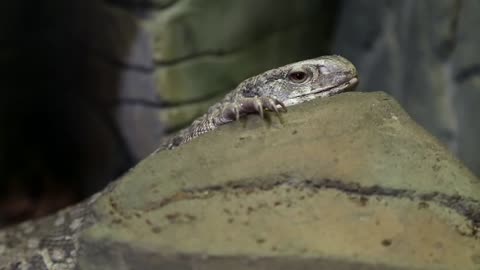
pixel 90 87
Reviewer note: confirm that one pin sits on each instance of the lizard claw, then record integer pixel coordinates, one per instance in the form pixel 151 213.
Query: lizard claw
pixel 237 112
pixel 278 102
pixel 232 111
pixel 271 104
pixel 257 104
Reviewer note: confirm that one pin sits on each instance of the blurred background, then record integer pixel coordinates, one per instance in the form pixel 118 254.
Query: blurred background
pixel 88 88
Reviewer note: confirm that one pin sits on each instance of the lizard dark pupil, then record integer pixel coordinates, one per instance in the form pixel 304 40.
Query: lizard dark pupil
pixel 298 76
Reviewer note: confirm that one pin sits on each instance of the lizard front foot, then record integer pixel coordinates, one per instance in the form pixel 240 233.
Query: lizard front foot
pixel 233 110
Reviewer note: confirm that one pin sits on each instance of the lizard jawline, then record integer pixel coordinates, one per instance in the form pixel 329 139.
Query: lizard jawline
pixel 325 92
pixel 344 87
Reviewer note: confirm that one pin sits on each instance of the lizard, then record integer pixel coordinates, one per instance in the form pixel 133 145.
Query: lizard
pixel 274 90
pixel 52 242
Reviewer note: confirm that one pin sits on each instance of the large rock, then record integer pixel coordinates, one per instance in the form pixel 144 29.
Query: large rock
pixel 349 182
pixel 425 53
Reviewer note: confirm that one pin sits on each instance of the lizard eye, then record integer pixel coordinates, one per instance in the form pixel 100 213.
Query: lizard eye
pixel 298 76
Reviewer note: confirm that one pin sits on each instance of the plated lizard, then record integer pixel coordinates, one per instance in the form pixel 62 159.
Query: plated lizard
pixel 53 242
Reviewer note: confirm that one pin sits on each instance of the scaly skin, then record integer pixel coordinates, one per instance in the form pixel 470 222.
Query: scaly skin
pixel 52 242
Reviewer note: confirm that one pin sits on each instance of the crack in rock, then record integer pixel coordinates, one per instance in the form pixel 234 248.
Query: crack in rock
pixel 467 207
pixel 221 52
pixel 466 73
pixel 188 57
pixel 144 4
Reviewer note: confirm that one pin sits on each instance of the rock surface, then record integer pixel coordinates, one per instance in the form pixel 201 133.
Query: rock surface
pixel 349 182
pixel 424 53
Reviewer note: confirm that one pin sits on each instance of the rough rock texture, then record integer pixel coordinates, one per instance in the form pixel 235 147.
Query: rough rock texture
pixel 203 49
pixel 424 53
pixel 349 182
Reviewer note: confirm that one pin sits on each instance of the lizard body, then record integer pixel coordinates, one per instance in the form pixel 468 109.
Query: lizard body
pixel 53 243
pixel 273 90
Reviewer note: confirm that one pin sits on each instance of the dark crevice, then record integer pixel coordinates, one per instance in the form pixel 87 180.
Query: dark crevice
pixel 161 104
pixel 140 102
pixel 224 52
pixel 466 207
pixel 207 53
pixel 121 64
pixel 447 46
pixel 467 73
pixel 109 59
pixel 165 5
pixel 144 4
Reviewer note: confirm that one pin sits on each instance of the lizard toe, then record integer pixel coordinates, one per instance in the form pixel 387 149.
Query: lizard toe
pixel 278 102
pixel 257 104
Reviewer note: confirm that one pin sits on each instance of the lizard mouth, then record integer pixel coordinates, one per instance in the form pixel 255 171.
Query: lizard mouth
pixel 348 86
pixel 343 87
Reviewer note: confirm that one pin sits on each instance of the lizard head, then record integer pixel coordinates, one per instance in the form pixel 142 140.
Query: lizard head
pixel 306 80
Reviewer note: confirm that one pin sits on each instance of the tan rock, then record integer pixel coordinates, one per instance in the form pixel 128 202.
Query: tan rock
pixel 349 182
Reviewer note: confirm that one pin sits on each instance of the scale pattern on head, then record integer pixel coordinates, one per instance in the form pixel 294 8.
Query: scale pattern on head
pixel 302 81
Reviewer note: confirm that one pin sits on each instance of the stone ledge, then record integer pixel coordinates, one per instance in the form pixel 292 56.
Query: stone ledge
pixel 349 182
